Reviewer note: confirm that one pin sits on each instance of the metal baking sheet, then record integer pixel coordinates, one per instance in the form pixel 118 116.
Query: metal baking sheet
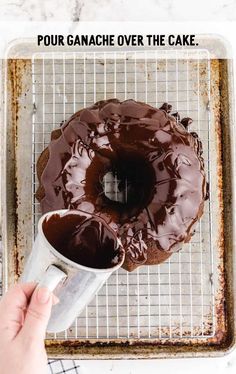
pixel 184 306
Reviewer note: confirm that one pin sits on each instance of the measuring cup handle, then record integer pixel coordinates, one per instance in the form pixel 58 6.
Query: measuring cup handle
pixel 52 276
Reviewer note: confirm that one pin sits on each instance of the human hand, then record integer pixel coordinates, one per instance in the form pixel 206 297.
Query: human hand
pixel 24 314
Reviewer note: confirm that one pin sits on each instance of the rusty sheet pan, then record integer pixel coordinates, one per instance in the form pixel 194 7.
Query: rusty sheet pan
pixel 18 212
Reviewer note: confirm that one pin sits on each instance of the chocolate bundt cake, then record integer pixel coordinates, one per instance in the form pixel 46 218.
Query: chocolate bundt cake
pixel 135 166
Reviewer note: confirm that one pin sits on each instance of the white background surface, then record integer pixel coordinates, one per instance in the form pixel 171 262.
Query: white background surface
pixel 132 10
pixel 117 10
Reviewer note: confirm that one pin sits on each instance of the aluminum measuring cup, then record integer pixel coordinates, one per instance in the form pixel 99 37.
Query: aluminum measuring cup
pixel 74 284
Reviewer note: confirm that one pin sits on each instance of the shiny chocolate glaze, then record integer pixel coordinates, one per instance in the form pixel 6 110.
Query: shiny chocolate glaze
pixel 86 240
pixel 158 165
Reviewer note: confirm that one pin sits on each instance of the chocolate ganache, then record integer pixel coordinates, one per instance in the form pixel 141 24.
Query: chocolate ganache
pixel 134 165
pixel 84 239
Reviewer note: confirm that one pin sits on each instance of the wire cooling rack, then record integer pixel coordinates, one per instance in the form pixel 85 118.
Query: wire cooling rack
pixel 63 366
pixel 175 299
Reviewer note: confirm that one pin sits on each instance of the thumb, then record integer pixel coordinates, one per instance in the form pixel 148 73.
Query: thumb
pixel 38 313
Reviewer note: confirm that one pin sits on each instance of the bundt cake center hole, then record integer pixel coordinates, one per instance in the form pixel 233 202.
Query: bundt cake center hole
pixel 116 188
pixel 120 183
pixel 129 182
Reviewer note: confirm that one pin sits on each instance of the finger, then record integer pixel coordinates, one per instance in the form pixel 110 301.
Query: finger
pixel 37 315
pixel 55 300
pixel 12 308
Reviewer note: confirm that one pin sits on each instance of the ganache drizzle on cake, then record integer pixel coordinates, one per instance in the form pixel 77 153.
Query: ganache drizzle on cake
pixel 156 163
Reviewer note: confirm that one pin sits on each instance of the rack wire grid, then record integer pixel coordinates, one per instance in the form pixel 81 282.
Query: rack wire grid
pixel 176 298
